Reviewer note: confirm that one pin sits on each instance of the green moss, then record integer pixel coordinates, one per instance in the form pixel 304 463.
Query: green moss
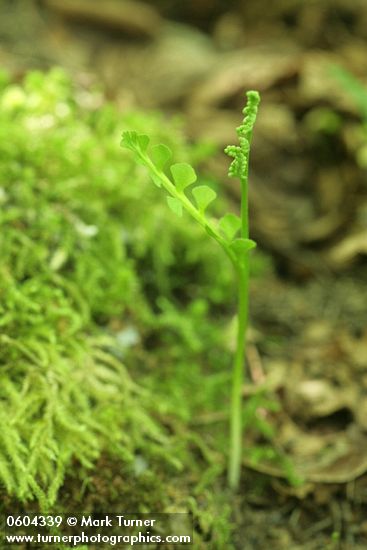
pixel 65 276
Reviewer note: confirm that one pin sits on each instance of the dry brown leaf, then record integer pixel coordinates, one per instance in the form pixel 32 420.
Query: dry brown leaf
pixel 134 18
pixel 346 251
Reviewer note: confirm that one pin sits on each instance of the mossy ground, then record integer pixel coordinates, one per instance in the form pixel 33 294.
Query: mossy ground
pixel 112 324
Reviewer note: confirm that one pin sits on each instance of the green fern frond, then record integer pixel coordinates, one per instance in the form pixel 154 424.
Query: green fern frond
pixel 240 154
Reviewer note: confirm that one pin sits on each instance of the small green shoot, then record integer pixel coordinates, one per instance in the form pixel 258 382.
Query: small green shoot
pixel 224 232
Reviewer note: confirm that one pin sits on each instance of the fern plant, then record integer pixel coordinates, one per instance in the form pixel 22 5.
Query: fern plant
pixel 230 232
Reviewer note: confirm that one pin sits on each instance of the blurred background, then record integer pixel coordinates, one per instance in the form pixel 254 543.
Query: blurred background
pixel 193 60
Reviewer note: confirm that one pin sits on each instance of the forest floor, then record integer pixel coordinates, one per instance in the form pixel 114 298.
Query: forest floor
pixel 308 339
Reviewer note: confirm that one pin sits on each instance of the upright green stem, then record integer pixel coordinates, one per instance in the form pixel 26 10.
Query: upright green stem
pixel 238 373
pixel 234 469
